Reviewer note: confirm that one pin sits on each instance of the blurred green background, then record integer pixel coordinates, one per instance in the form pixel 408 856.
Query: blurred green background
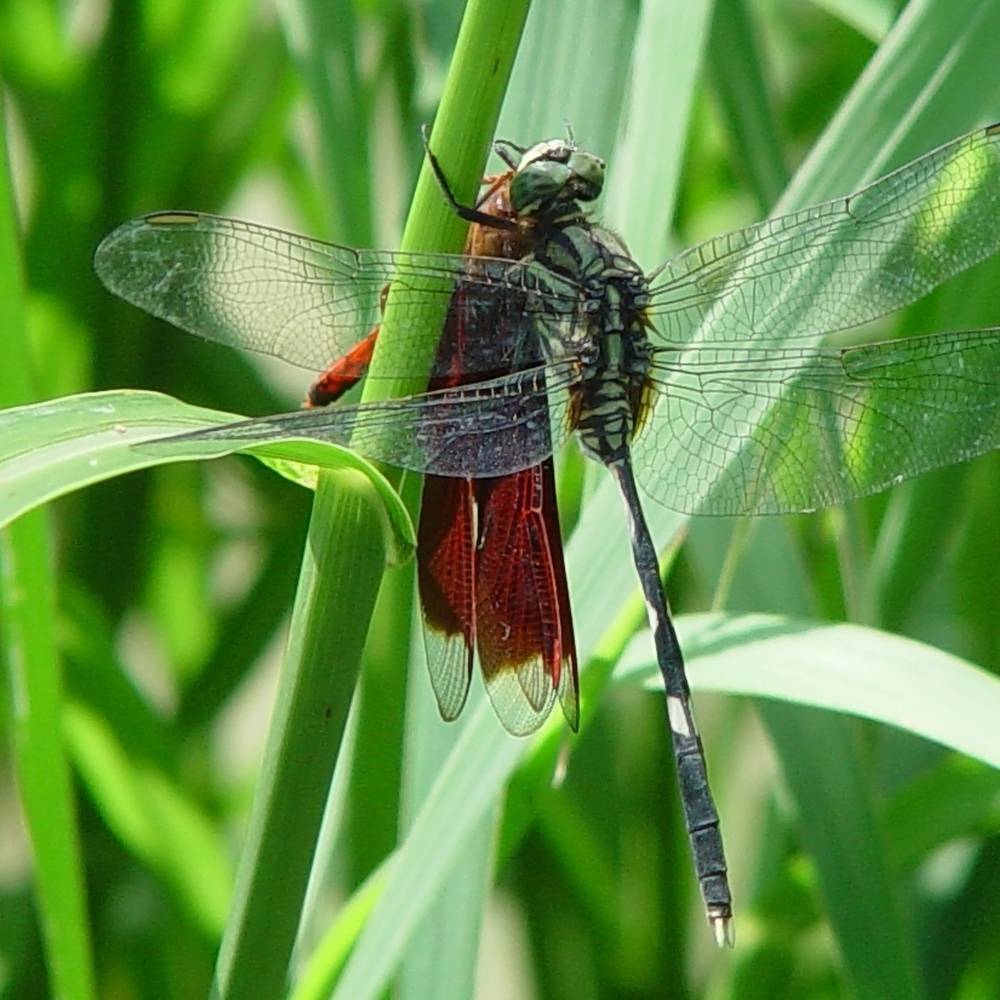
pixel 174 585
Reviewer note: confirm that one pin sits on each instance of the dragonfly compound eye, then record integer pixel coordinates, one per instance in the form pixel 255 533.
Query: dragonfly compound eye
pixel 588 174
pixel 553 175
pixel 538 186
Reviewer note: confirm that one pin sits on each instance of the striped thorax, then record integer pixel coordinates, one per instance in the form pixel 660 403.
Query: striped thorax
pixel 607 334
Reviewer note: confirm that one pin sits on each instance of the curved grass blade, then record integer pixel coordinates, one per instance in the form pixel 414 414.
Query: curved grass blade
pixel 917 688
pixel 50 449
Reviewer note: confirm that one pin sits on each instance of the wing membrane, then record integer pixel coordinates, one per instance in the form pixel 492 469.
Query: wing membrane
pixel 840 263
pixel 744 431
pixel 524 630
pixel 490 428
pixel 308 301
pixel 446 560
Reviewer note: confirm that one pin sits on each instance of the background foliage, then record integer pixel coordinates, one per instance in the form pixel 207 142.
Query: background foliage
pixel 865 859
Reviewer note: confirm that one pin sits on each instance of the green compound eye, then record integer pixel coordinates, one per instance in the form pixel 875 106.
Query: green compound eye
pixel 553 174
pixel 537 185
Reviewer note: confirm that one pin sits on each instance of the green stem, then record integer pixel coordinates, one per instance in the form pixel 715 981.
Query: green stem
pixel 31 672
pixel 336 596
pixel 326 639
pixel 463 130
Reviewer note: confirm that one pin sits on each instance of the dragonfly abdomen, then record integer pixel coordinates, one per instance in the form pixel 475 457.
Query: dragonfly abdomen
pixel 611 397
pixel 606 420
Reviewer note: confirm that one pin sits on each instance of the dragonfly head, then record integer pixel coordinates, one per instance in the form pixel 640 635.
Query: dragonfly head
pixel 552 175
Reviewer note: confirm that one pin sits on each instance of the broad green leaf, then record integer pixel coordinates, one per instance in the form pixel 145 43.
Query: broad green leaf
pixel 50 449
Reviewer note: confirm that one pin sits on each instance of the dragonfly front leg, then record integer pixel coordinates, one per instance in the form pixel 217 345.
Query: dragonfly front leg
pixel 467 212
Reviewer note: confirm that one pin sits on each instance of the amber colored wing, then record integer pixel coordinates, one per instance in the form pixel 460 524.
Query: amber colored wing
pixel 446 554
pixel 524 629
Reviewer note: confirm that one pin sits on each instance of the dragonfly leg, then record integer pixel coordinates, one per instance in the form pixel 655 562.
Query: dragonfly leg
pixel 467 212
pixel 509 152
pixel 700 815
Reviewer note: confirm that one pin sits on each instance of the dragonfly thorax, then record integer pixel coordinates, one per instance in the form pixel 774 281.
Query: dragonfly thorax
pixel 607 334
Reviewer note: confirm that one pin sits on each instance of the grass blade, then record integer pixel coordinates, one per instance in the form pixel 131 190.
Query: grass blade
pixel 32 671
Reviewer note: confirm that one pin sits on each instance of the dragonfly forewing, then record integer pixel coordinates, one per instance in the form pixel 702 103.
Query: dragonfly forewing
pixel 490 428
pixel 309 302
pixel 841 263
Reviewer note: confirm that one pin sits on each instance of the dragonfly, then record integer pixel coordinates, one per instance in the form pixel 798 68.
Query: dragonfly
pixel 705 380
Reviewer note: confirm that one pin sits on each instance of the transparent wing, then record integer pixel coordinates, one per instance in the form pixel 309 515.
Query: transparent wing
pixel 308 301
pixel 744 431
pixel 840 263
pixel 490 428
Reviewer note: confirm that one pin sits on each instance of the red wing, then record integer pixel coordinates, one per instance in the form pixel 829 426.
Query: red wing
pixel 446 575
pixel 445 552
pixel 568 681
pixel 524 629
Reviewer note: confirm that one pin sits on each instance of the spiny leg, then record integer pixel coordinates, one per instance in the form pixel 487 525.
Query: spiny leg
pixel 466 212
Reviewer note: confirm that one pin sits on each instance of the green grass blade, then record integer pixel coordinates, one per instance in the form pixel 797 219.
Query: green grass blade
pixel 738 75
pixel 154 820
pixel 50 449
pixel 823 769
pixel 325 40
pixel 666 63
pixel 554 83
pixel 931 79
pixel 441 959
pixel 325 964
pixel 916 687
pixel 872 18
pixel 956 799
pixel 337 589
pixel 31 669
